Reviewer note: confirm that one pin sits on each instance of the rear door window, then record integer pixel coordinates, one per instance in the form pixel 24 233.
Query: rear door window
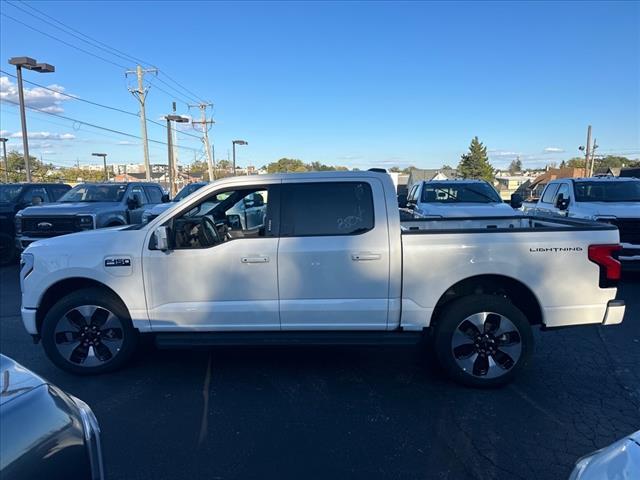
pixel 326 209
pixel 154 194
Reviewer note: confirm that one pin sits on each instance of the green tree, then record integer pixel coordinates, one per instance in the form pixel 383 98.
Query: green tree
pixel 446 167
pixel 515 166
pixel 475 163
pixel 286 165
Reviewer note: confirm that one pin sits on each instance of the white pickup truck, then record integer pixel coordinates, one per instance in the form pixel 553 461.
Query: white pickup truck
pixel 611 200
pixel 331 264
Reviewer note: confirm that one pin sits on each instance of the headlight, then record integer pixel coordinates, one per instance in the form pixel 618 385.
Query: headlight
pixel 26 267
pixel 18 224
pixel 84 222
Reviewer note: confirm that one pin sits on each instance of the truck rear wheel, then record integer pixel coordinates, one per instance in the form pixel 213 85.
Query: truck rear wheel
pixel 483 340
pixel 89 332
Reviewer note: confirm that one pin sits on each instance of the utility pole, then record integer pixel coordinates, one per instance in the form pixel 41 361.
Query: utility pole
pixel 169 119
pixel 205 136
pixel 141 94
pixel 176 156
pixel 589 154
pixel 4 155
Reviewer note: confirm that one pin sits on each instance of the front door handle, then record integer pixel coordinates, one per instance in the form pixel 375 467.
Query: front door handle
pixel 257 259
pixel 364 256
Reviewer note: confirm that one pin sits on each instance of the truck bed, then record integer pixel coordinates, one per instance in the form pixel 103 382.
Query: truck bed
pixel 524 223
pixel 439 253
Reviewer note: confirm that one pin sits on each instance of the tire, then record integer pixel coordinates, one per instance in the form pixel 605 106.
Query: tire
pixel 8 250
pixel 483 340
pixel 73 344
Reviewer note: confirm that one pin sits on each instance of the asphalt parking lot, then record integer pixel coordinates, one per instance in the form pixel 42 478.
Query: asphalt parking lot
pixel 352 412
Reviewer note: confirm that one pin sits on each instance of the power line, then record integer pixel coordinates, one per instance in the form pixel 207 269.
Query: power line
pixel 102 46
pixel 82 122
pixel 90 41
pixel 94 103
pixel 62 41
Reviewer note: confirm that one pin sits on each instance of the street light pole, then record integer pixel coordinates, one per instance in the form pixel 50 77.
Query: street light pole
pixel 236 142
pixel 29 64
pixel 4 155
pixel 104 160
pixel 23 123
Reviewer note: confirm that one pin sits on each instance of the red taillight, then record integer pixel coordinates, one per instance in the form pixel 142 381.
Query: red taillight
pixel 610 268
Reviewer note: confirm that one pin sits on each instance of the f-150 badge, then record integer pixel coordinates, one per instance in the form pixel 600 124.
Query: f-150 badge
pixel 117 262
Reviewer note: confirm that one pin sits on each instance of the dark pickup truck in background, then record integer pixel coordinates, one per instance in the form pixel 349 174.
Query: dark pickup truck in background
pixel 13 198
pixel 85 207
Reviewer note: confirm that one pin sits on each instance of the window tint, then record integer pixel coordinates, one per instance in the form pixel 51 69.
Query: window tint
pixel 331 208
pixel 35 192
pixel 154 194
pixel 564 190
pixel 57 191
pixel 412 194
pixel 223 217
pixel 138 191
pixel 549 193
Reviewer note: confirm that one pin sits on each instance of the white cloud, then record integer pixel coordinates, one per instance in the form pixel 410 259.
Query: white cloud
pixel 503 153
pixel 553 150
pixel 126 142
pixel 36 97
pixel 45 136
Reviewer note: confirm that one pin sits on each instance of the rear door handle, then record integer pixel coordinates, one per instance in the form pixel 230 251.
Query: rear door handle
pixel 364 256
pixel 257 259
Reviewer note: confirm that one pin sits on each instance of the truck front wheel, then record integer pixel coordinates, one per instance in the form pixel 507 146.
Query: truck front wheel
pixel 89 332
pixel 482 340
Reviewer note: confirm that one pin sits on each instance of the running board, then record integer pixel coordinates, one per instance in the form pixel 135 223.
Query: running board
pixel 208 339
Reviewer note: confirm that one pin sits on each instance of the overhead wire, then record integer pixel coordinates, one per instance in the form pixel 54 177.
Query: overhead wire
pixel 106 48
pixel 97 104
pixel 89 124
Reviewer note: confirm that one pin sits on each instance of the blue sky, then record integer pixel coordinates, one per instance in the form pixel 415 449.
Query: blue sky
pixel 356 83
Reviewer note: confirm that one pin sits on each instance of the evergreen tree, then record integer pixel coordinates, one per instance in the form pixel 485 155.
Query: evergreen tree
pixel 515 166
pixel 475 163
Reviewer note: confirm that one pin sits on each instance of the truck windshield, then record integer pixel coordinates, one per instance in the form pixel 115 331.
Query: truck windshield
pixel 94 193
pixel 609 191
pixel 188 190
pixel 9 193
pixel 459 192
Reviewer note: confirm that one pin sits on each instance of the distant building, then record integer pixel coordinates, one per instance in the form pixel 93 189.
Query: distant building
pixel 421 174
pixel 536 187
pixel 510 184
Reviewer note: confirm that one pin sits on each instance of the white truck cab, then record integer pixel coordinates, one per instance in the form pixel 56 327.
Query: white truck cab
pixel 611 200
pixel 459 198
pixel 327 262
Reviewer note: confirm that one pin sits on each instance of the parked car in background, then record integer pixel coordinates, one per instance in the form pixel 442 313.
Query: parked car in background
pixel 13 198
pixel 86 207
pixel 44 432
pixel 459 198
pixel 329 262
pixel 152 211
pixel 618 461
pixel 610 200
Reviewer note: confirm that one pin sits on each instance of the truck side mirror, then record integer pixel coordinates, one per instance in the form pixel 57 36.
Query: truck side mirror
pixel 36 200
pixel 516 201
pixel 165 198
pixel 161 235
pixel 561 202
pixel 402 201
